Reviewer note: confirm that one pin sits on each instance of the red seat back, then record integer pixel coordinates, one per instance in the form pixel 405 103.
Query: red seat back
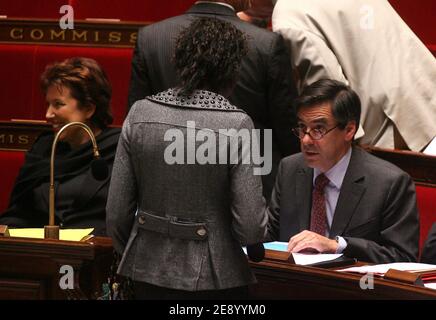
pixel 426 199
pixel 10 164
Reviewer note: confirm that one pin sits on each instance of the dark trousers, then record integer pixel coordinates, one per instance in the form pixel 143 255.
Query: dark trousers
pixel 146 291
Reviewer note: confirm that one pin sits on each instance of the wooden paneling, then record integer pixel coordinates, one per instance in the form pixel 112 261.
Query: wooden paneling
pixel 30 268
pixel 85 33
pixel 421 167
pixel 278 279
pixel 20 135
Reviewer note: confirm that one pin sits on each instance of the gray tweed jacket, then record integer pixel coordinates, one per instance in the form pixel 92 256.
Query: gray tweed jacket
pixel 182 225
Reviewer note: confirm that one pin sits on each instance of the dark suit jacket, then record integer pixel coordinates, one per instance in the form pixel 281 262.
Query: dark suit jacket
pixel 429 250
pixel 265 89
pixel 376 211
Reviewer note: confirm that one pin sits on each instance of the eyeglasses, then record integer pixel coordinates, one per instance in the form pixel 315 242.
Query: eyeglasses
pixel 315 134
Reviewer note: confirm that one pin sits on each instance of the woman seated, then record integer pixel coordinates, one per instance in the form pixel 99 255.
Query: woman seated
pixel 180 206
pixel 76 89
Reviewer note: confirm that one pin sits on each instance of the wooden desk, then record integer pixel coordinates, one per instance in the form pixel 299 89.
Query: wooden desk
pixel 29 268
pixel 277 279
pixel 20 135
pixel 420 166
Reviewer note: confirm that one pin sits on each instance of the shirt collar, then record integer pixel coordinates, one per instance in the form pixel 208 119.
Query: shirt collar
pixel 220 3
pixel 336 174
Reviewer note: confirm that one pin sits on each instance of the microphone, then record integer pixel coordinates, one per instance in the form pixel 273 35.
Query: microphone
pixel 256 252
pixel 99 171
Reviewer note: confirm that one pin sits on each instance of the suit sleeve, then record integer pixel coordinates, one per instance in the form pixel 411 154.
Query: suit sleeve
pixel 249 216
pixel 311 57
pixel 282 92
pixel 399 230
pixel 122 197
pixel 140 86
pixel 273 229
pixel 429 251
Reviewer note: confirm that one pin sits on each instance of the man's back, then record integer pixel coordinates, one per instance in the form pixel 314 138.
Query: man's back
pixel 265 89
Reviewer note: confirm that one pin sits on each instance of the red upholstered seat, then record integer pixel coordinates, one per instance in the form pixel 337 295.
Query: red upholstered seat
pixel 17 89
pixel 426 199
pixel 31 9
pixel 10 164
pixel 23 65
pixel 420 16
pixel 130 10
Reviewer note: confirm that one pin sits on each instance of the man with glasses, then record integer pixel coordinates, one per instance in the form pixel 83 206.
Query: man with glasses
pixel 334 197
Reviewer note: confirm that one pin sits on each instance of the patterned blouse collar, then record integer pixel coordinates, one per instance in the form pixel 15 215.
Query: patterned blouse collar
pixel 199 99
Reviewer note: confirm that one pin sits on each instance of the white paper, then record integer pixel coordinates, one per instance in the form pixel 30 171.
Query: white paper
pixel 306 259
pixel 381 269
pixel 431 148
pixel 430 285
pixel 299 258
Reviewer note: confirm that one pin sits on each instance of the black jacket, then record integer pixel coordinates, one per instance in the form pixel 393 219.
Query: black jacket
pixel 429 250
pixel 83 207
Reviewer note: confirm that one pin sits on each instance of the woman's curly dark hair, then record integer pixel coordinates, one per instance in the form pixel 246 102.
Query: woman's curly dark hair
pixel 208 55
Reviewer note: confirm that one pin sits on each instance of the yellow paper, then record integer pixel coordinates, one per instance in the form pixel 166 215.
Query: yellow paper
pixel 38 233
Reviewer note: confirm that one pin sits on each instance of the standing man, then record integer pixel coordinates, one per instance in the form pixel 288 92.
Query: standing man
pixel 265 89
pixel 336 198
pixel 367 45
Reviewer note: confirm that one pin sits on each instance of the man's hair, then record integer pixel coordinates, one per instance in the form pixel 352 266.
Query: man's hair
pixel 238 5
pixel 87 82
pixel 345 102
pixel 208 55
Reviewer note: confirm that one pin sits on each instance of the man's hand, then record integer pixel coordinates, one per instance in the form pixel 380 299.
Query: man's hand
pixel 311 241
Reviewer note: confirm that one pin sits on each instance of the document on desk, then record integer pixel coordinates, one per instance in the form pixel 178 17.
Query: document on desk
pixel 301 258
pixel 305 259
pixel 381 269
pixel 38 233
pixel 430 285
pixel 431 148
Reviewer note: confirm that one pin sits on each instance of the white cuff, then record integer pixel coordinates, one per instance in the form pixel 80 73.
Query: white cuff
pixel 342 244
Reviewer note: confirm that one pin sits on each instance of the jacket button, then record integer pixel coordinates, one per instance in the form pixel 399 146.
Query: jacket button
pixel 141 219
pixel 201 232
